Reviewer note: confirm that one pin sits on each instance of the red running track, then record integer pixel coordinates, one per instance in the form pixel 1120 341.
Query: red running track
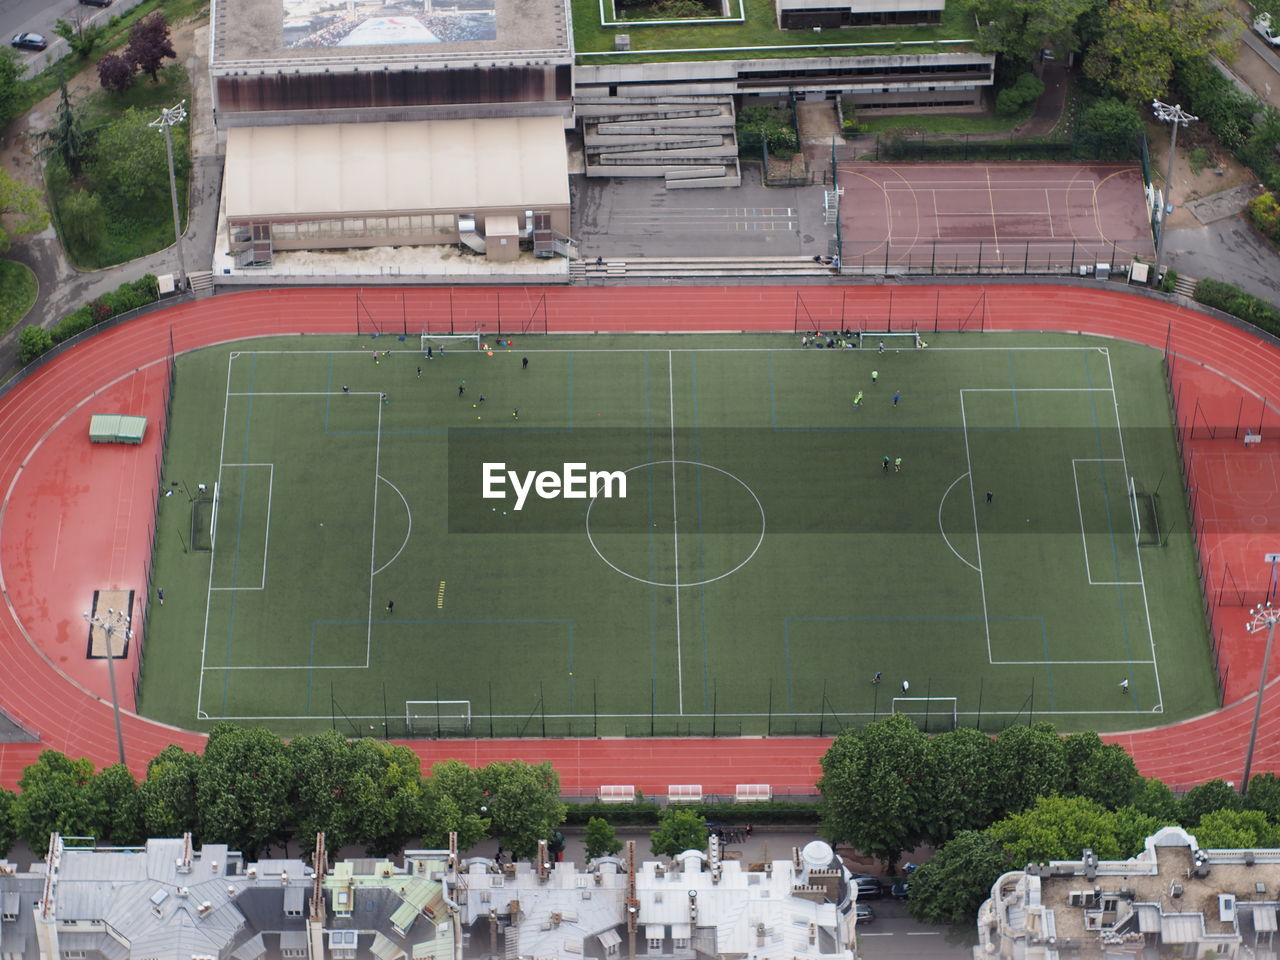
pixel 75 517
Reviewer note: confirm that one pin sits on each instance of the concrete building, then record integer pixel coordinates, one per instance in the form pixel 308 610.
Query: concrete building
pixel 1172 900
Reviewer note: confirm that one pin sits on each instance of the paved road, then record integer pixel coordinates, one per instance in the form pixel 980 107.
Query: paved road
pixel 1228 250
pixel 895 936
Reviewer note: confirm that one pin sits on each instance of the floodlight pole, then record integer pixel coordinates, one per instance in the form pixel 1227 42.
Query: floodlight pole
pixel 1261 616
pixel 1176 117
pixel 113 621
pixel 168 117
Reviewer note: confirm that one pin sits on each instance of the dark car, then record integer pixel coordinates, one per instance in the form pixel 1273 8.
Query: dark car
pixel 865 914
pixel 29 41
pixel 96 3
pixel 869 887
pixel 900 890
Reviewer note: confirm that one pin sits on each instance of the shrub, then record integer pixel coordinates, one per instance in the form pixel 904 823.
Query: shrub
pixel 1112 126
pixel 1264 213
pixel 1026 89
pixel 126 297
pixel 1232 300
pixel 1170 280
pixel 32 342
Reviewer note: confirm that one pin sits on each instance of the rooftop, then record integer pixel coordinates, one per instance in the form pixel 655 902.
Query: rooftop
pixel 757 36
pixel 311 35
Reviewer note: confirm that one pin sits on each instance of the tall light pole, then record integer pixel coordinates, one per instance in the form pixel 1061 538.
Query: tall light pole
pixel 1176 117
pixel 1265 615
pixel 167 119
pixel 115 620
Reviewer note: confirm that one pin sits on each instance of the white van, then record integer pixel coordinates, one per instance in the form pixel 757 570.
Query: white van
pixel 1262 24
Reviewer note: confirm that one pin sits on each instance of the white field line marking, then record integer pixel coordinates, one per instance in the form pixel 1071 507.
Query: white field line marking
pixel 373 540
pixel 266 534
pixel 675 532
pixel 408 533
pixel 941 530
pixel 208 599
pixel 1084 543
pixel 977 538
pixel 1146 606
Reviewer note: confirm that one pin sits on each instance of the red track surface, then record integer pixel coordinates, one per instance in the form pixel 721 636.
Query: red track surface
pixel 76 517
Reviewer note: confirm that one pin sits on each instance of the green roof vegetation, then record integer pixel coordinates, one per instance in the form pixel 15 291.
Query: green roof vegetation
pixel 724 41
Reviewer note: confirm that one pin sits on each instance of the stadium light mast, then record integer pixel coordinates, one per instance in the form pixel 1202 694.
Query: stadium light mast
pixel 113 621
pixel 1176 117
pixel 168 117
pixel 1264 615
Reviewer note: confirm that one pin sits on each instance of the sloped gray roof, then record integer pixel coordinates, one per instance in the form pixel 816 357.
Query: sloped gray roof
pixel 251 949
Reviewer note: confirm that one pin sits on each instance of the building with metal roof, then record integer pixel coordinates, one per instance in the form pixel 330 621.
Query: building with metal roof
pixel 1173 899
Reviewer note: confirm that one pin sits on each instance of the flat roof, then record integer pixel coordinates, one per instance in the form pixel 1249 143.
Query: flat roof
pixel 376 168
pixel 311 35
pixel 758 37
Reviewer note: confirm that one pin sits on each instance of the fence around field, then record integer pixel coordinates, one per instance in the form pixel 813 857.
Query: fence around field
pixel 405 313
pixel 1008 258
pixel 966 147
pixel 958 310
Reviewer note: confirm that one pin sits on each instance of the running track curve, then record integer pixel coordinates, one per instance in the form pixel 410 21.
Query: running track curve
pixel 45 414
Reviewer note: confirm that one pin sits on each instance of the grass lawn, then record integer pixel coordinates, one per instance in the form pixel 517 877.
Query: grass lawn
pixel 135 229
pixel 927 125
pixel 760 29
pixel 18 289
pixel 760 569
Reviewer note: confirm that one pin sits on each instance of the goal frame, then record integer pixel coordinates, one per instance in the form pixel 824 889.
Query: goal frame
pixel 431 717
pixel 949 706
pixel 889 335
pixel 466 340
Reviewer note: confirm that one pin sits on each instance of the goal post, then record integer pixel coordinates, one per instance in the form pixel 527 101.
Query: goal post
pixel 930 713
pixel 1146 515
pixel 461 341
pixel 430 718
pixel 892 339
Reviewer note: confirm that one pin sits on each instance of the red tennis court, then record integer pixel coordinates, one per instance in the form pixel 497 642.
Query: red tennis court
pixel 992 217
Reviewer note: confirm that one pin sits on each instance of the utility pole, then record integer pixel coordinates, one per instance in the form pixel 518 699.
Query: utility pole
pixel 167 118
pixel 1176 117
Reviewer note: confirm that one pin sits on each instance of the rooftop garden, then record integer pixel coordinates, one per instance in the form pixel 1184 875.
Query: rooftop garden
pixel 723 41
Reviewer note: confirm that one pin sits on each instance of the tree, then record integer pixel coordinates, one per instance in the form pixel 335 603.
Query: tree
pixel 1264 794
pixel 600 839
pixel 1108 777
pixel 115 73
pixel 387 792
pixel 1236 830
pixel 1025 90
pixel 1057 828
pixel 1018 29
pixel 149 45
pixel 67 138
pixel 114 795
pixel 1139 42
pixel 32 342
pixel 130 159
pixel 1156 800
pixel 81 217
pixel 8 829
pixel 524 803
pixel 52 795
pixel 1132 828
pixel 22 209
pixel 1206 798
pixel 242 788
pixel 955 786
pixel 81 37
pixel 453 802
pixel 169 793
pixel 679 829
pixel 872 785
pixel 952 886
pixel 10 88
pixel 321 797
pixel 1028 762
pixel 1112 127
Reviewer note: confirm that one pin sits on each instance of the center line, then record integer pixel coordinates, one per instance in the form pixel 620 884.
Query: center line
pixel 675 532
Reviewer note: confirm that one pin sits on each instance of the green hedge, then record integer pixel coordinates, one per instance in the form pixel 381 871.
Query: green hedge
pixel 647 812
pixel 1233 300
pixel 126 297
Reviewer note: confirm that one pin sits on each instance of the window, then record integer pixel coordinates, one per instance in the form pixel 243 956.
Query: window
pixel 680 943
pixel 293 951
pixel 655 943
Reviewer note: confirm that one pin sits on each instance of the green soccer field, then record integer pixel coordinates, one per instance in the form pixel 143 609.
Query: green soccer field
pixel 763 566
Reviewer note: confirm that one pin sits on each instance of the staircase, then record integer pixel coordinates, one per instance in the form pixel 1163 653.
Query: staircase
pixel 201 281
pixel 696 269
pixel 688 141
pixel 1185 286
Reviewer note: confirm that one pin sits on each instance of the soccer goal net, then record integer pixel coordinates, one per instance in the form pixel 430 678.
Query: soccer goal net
pixel 1146 515
pixel 890 339
pixel 433 718
pixel 204 519
pixel 929 713
pixel 460 341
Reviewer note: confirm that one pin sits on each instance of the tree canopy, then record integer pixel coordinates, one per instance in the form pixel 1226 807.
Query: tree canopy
pixel 524 803
pixel 51 798
pixel 1019 29
pixel 679 829
pixel 22 209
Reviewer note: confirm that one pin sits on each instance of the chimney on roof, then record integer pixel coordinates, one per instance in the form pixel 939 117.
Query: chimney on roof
pixel 204 908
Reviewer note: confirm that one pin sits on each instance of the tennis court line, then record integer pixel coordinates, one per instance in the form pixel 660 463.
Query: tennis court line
pixel 1084 543
pixel 675 531
pixel 266 537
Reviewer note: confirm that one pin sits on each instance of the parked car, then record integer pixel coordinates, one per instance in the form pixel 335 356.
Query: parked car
pixel 865 913
pixel 869 887
pixel 1262 25
pixel 96 3
pixel 29 41
pixel 900 890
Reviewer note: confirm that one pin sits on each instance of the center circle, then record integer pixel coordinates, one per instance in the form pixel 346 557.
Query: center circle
pixel 678 516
